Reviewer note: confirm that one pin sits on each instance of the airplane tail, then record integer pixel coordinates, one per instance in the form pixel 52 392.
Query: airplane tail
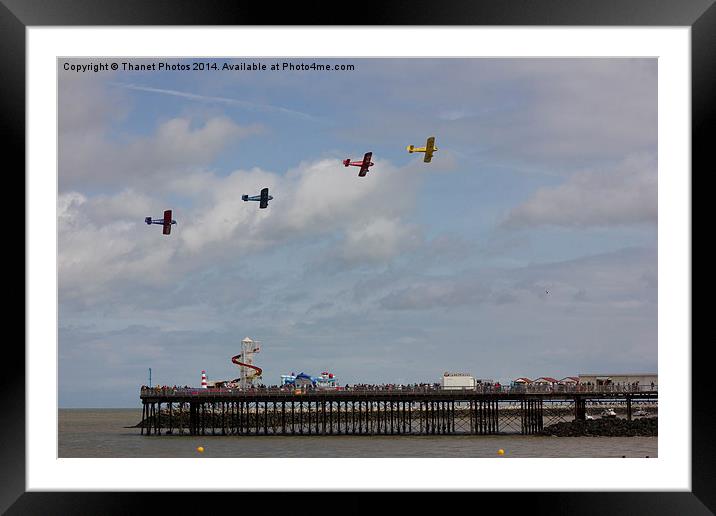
pixel 346 162
pixel 411 148
pixel 244 197
pixel 148 220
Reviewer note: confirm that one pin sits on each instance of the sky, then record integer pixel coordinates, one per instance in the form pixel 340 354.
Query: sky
pixel 527 247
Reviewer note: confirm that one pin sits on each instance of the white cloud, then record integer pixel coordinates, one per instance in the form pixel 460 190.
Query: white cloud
pixel 625 194
pixel 96 152
pixel 445 292
pixel 105 245
pixel 619 280
pixel 221 217
pixel 88 158
pixel 379 239
pixel 316 198
pixel 85 106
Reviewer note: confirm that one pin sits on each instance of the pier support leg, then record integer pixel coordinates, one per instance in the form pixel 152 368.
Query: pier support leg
pixel 283 418
pixel 580 408
pixel 310 430
pixel 540 416
pixel 361 417
pixel 330 417
pixel 265 417
pixel 410 417
pixel 452 417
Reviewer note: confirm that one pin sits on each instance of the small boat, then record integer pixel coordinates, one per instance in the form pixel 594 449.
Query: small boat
pixel 609 413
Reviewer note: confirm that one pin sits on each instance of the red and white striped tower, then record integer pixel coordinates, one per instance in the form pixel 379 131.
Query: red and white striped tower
pixel 203 379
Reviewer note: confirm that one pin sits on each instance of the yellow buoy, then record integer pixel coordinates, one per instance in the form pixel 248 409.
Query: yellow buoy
pixel 500 452
pixel 200 449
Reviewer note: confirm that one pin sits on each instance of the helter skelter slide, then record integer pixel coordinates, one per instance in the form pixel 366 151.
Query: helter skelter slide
pixel 249 372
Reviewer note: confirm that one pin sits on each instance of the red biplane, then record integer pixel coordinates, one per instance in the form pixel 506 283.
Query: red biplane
pixel 166 222
pixel 364 165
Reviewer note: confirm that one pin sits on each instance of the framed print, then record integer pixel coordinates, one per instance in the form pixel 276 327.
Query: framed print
pixel 416 254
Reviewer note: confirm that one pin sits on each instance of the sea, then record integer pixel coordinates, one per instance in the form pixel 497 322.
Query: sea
pixel 101 433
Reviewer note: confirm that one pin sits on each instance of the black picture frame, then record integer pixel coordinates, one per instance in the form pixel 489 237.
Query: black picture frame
pixel 17 15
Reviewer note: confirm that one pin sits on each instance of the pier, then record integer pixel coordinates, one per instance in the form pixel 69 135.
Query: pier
pixel 177 411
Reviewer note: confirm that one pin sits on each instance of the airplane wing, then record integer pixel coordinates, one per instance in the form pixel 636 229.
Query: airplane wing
pixel 366 164
pixel 429 149
pixel 263 201
pixel 167 222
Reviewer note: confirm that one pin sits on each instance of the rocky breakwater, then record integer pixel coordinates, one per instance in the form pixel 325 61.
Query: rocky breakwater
pixel 606 427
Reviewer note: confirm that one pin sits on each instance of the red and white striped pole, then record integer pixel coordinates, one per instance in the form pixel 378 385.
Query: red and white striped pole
pixel 203 379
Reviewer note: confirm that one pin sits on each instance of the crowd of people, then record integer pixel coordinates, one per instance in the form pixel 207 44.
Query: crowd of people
pixel 616 387
pixel 358 387
pixel 484 387
pixel 392 387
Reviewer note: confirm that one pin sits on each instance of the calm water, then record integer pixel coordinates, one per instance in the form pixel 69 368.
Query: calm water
pixel 100 433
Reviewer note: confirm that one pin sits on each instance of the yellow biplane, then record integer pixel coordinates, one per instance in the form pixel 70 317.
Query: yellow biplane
pixel 428 149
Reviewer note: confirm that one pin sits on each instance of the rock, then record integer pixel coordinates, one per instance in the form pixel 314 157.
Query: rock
pixel 604 428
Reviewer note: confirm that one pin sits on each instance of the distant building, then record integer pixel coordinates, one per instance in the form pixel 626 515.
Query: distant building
pixel 520 384
pixel 545 380
pixel 644 380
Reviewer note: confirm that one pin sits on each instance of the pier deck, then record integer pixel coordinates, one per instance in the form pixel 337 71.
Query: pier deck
pixel 374 412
